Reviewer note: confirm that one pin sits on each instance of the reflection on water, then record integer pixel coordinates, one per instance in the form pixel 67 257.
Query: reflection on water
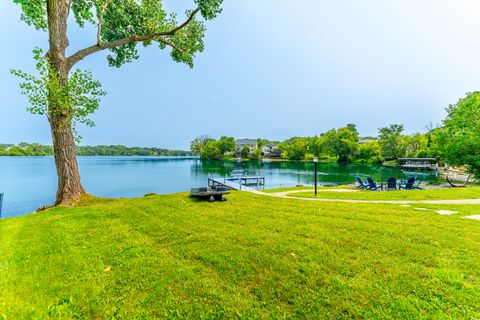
pixel 30 182
pixel 280 173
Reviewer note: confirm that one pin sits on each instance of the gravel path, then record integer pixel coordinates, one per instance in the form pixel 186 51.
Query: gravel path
pixel 285 195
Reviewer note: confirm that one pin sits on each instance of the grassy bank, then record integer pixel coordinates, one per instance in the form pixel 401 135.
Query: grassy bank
pixel 433 194
pixel 250 257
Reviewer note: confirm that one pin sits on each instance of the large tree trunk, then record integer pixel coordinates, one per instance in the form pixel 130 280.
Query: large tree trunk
pixel 70 188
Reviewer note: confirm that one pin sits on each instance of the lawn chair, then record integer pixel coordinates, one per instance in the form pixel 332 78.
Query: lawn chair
pixel 361 184
pixel 372 186
pixel 410 185
pixel 392 184
pixel 417 186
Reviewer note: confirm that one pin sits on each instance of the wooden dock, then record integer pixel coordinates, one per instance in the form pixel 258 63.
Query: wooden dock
pixel 241 183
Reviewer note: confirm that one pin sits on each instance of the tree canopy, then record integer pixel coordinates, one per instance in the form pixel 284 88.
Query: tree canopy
pixel 227 144
pixel 121 26
pixel 390 140
pixel 124 23
pixel 462 129
pixel 343 143
pixel 211 149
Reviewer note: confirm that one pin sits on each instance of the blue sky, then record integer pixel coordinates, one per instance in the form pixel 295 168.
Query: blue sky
pixel 272 69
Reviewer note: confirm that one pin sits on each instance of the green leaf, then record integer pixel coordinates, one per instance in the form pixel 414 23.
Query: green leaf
pixel 76 100
pixel 34 13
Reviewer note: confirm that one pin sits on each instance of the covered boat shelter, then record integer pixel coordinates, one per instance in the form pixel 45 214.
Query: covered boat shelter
pixel 418 163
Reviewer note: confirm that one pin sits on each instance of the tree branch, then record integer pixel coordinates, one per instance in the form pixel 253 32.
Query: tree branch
pixel 183 25
pixel 168 43
pixel 100 22
pixel 80 54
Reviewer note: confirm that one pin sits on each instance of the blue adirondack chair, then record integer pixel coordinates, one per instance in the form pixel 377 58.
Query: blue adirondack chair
pixel 417 186
pixel 373 186
pixel 361 184
pixel 410 184
pixel 392 184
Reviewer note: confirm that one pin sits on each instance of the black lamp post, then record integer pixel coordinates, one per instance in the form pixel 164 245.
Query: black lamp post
pixel 315 162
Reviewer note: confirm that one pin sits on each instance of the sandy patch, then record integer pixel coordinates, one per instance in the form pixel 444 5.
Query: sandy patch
pixel 446 212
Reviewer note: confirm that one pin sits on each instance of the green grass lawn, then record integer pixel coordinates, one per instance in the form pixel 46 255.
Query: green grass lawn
pixel 250 257
pixel 433 194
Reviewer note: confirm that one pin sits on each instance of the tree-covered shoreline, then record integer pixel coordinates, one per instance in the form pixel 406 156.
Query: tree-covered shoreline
pixel 36 149
pixel 454 142
pixel 342 145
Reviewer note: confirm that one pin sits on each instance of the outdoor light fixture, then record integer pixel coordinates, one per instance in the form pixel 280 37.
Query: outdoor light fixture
pixel 315 161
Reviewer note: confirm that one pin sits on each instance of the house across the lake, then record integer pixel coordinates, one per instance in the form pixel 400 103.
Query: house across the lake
pixel 366 140
pixel 271 150
pixel 241 143
pixel 251 143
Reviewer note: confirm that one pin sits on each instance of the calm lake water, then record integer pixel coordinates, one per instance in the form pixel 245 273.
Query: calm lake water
pixel 30 182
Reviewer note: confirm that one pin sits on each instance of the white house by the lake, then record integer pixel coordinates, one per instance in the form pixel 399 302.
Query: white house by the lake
pixel 268 150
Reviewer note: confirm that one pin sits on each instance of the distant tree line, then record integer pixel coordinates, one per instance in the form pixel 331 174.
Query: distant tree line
pixel 35 149
pixel 119 150
pixel 25 149
pixel 456 142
